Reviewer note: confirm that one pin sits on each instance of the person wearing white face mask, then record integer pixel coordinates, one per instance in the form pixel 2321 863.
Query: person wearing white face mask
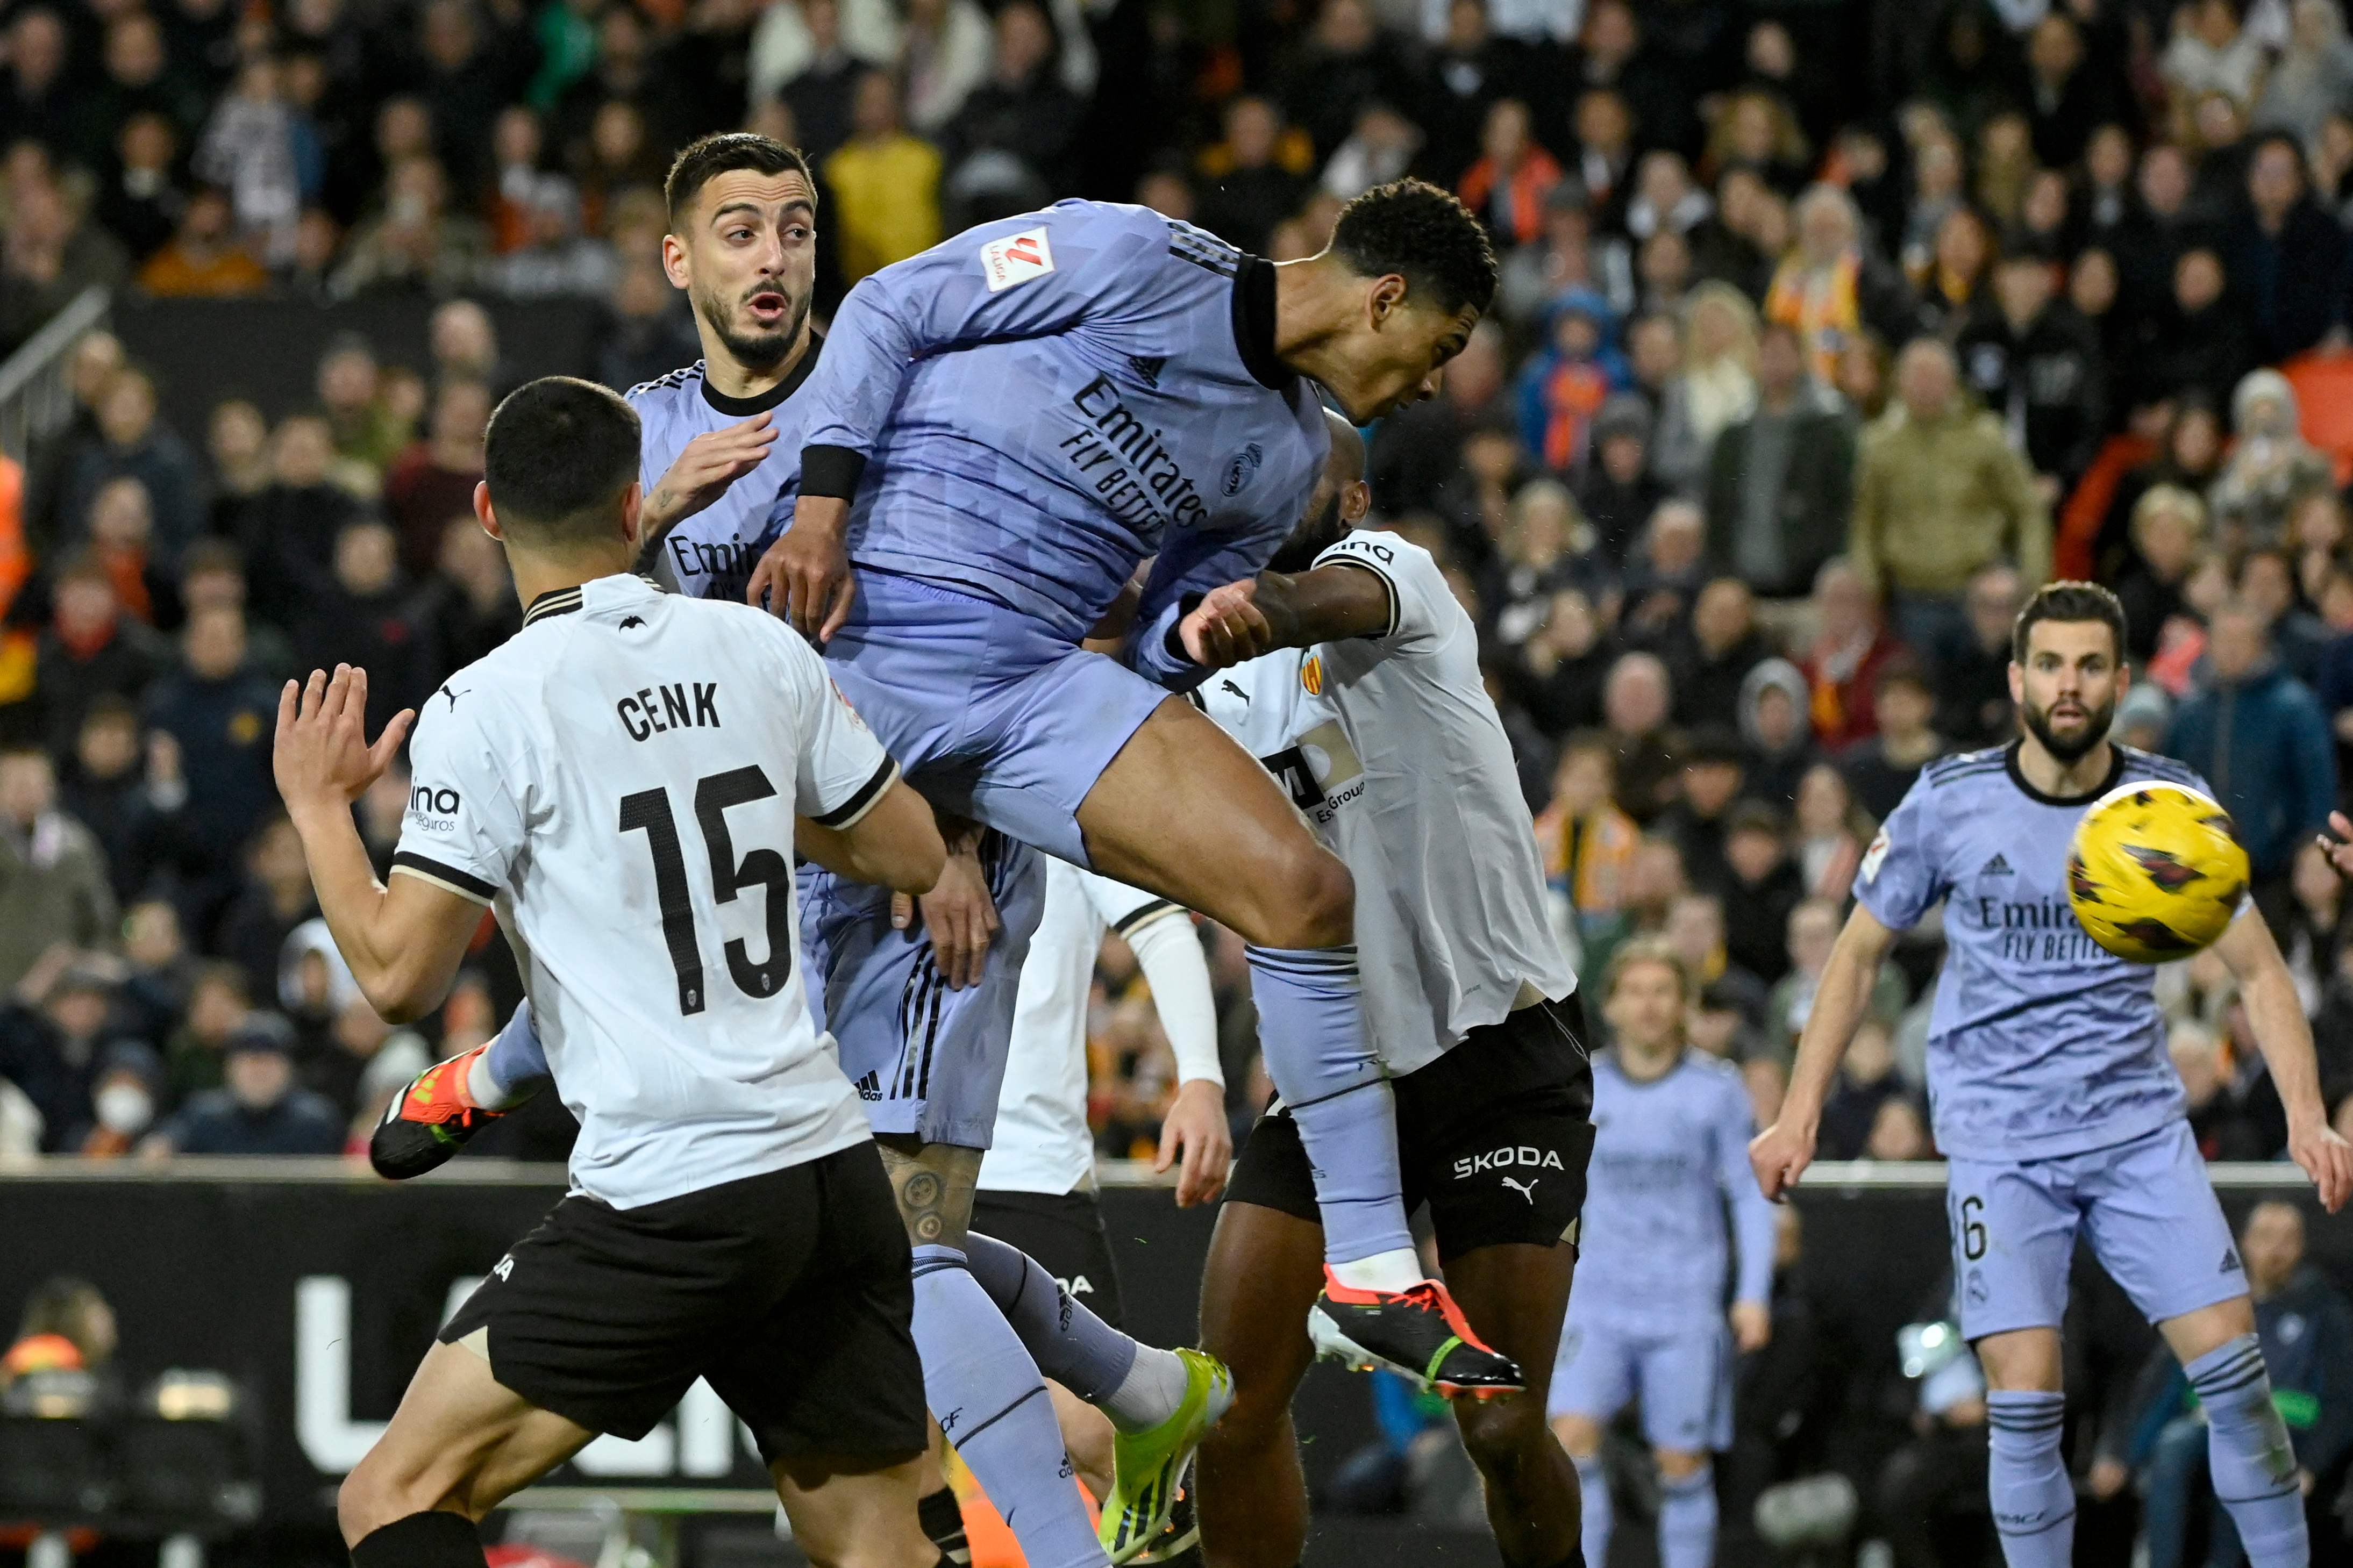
pixel 123 1098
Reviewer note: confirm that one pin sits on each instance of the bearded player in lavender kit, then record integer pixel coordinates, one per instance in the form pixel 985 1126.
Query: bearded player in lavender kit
pixel 2053 1095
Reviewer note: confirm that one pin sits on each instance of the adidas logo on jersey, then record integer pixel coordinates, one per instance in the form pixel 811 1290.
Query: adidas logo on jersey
pixel 870 1088
pixel 1996 866
pixel 1503 1159
pixel 1148 366
pixel 2230 1260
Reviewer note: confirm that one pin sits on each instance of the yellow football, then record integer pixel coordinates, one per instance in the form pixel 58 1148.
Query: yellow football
pixel 2154 872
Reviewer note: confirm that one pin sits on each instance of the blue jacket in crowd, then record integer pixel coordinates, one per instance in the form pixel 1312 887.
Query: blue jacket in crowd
pixel 2265 745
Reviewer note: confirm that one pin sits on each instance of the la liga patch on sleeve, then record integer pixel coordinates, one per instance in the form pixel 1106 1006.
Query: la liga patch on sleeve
pixel 1015 259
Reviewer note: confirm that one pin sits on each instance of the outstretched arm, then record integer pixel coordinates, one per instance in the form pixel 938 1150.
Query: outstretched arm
pixel 1326 604
pixel 1780 1154
pixel 403 942
pixel 2285 1040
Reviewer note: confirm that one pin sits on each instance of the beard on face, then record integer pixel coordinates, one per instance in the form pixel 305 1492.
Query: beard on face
pixel 2071 749
pixel 754 351
pixel 1310 539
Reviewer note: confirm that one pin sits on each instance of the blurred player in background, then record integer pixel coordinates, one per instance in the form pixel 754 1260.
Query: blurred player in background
pixel 2053 1097
pixel 730 1217
pixel 1373 715
pixel 1648 1324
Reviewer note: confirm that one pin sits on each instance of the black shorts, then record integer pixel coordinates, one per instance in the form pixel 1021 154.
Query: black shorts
pixel 1494 1136
pixel 1065 1234
pixel 791 1291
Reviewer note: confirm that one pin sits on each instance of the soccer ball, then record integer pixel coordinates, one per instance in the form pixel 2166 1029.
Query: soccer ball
pixel 2153 873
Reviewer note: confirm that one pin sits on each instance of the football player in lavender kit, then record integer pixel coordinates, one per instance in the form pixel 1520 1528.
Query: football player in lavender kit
pixel 1671 1129
pixel 1374 716
pixel 2053 1096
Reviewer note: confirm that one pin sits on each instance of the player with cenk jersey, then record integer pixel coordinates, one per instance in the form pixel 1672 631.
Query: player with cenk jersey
pixel 624 781
pixel 1373 715
pixel 1011 423
pixel 2052 1094
pixel 1648 1324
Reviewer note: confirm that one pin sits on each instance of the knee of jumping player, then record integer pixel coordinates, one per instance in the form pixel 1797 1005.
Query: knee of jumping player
pixel 1312 901
pixel 1679 1463
pixel 1500 1435
pixel 1253 1422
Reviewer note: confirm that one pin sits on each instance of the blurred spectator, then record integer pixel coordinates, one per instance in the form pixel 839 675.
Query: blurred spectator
pixel 1636 700
pixel 1779 483
pixel 1695 824
pixel 1938 495
pixel 1849 649
pixel 124 1099
pixel 470 606
pixel 948 46
pixel 260 1108
pixel 1382 148
pixel 211 577
pixel 1713 387
pixel 1250 190
pixel 249 151
pixel 2227 1124
pixel 885 184
pixel 1665 576
pixel 367 620
pixel 53 883
pixel 1880 769
pixel 2209 52
pixel 52 1028
pixel 1831 831
pixel 1619 493
pixel 434 480
pixel 35 100
pixel 1568 259
pixel 132 439
pixel 1562 666
pixel 1775 729
pixel 1589 844
pixel 67 1325
pixel 1899 1132
pixel 2036 365
pixel 1971 671
pixel 821 92
pixel 193 1056
pixel 203 259
pixel 556 260
pixel 2287 257
pixel 1565 386
pixel 92 649
pixel 286 533
pixel 107 792
pixel 2258 736
pixel 351 394
pixel 1345 62
pixel 1830 289
pixel 1868 1077
pixel 2168 525
pixel 2267 582
pixel 415 243
pixel 221 716
pixel 1761 886
pixel 1812 930
pixel 1508 184
pixel 1694 928
pixel 237 443
pixel 139 77
pixel 2270 469
pixel 48 256
pixel 649 334
pixel 2313 77
pixel 1712 659
pixel 141 204
pixel 1014 140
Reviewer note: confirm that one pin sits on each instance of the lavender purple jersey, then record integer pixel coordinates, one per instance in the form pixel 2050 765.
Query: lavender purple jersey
pixel 710 554
pixel 1670 1156
pixel 2041 1043
pixel 1045 401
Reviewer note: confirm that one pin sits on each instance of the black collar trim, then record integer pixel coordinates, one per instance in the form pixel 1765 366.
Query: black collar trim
pixel 2018 777
pixel 761 401
pixel 554 602
pixel 1254 324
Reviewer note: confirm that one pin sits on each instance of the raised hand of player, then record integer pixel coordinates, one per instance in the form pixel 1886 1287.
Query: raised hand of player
pixel 959 916
pixel 1195 1128
pixel 2327 1157
pixel 320 755
pixel 1752 1325
pixel 804 577
pixel 1227 627
pixel 1779 1155
pixel 710 463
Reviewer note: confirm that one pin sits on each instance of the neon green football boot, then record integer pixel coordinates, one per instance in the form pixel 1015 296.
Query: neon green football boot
pixel 1148 1467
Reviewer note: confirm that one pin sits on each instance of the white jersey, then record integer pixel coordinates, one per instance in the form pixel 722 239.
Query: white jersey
pixel 1391 746
pixel 620 780
pixel 1042 1143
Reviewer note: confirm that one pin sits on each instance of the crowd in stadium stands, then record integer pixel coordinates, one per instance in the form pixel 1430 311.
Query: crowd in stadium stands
pixel 1827 329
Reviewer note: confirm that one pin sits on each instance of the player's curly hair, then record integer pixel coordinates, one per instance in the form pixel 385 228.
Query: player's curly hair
pixel 1424 235
pixel 2065 601
pixel 707 157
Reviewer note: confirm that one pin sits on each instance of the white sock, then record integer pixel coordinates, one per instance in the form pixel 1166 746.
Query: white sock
pixel 1400 1268
pixel 1151 1392
pixel 481 1087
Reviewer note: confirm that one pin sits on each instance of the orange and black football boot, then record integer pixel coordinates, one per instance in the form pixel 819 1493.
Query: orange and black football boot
pixel 429 1121
pixel 1418 1332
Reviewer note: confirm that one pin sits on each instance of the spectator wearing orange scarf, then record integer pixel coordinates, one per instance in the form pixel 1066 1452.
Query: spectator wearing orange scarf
pixel 1507 187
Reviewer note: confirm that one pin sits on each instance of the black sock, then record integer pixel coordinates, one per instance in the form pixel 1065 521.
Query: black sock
pixel 942 1518
pixel 436 1539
